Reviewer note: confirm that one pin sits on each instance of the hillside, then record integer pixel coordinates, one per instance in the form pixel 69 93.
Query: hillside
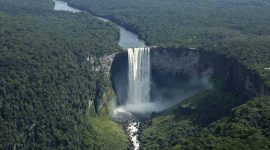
pixel 46 81
pixel 247 127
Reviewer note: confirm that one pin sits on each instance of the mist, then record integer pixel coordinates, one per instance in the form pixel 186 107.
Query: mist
pixel 163 96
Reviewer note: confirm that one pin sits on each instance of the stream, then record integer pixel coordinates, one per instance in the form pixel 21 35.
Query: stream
pixel 127 39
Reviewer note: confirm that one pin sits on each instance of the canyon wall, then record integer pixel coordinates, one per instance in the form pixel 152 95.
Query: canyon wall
pixel 179 70
pixel 230 74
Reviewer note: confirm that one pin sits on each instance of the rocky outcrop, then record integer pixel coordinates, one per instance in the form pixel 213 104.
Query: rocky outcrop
pixel 104 92
pixel 101 64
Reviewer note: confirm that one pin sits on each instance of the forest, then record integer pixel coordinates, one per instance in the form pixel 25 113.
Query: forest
pixel 239 28
pixel 235 28
pixel 46 80
pixel 191 125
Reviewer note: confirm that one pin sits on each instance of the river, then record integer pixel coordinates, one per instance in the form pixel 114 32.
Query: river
pixel 127 39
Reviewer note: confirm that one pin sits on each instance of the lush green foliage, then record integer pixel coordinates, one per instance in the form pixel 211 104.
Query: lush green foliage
pixel 247 127
pixel 17 6
pixel 108 134
pixel 237 27
pixel 46 80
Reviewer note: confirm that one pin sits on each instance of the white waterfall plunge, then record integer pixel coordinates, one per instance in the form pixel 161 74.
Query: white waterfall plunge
pixel 139 75
pixel 138 100
pixel 139 86
pixel 139 81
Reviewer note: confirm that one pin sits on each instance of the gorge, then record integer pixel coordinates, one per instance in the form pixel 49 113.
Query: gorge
pixel 148 81
pixel 139 74
pixel 190 75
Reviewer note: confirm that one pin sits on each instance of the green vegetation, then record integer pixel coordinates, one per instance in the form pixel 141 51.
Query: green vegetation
pixel 236 28
pixel 46 80
pixel 108 131
pixel 17 6
pixel 247 126
pixel 240 28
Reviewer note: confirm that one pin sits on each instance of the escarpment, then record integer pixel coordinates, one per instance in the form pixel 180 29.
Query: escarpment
pixel 179 70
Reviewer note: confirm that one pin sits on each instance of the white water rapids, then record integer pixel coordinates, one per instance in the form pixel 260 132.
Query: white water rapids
pixel 133 131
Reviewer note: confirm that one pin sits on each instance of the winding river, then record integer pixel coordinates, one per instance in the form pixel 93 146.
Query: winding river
pixel 127 39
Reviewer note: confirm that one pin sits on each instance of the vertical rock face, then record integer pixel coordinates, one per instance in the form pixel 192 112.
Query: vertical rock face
pixel 174 69
pixel 119 77
pixel 172 61
pixel 103 94
pixel 236 78
pixel 177 74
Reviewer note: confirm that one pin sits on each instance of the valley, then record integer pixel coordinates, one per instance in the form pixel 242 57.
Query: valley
pixel 96 74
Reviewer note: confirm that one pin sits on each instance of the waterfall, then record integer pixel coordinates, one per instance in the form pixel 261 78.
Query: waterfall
pixel 139 75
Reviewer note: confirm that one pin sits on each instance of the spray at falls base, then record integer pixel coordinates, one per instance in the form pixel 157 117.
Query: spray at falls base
pixel 138 92
pixel 138 78
pixel 147 82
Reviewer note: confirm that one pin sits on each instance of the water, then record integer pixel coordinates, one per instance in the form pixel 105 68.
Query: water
pixel 133 130
pixel 139 75
pixel 139 87
pixel 63 6
pixel 127 38
pixel 138 92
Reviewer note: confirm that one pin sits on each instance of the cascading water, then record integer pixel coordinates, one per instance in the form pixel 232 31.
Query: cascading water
pixel 138 98
pixel 139 85
pixel 139 75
